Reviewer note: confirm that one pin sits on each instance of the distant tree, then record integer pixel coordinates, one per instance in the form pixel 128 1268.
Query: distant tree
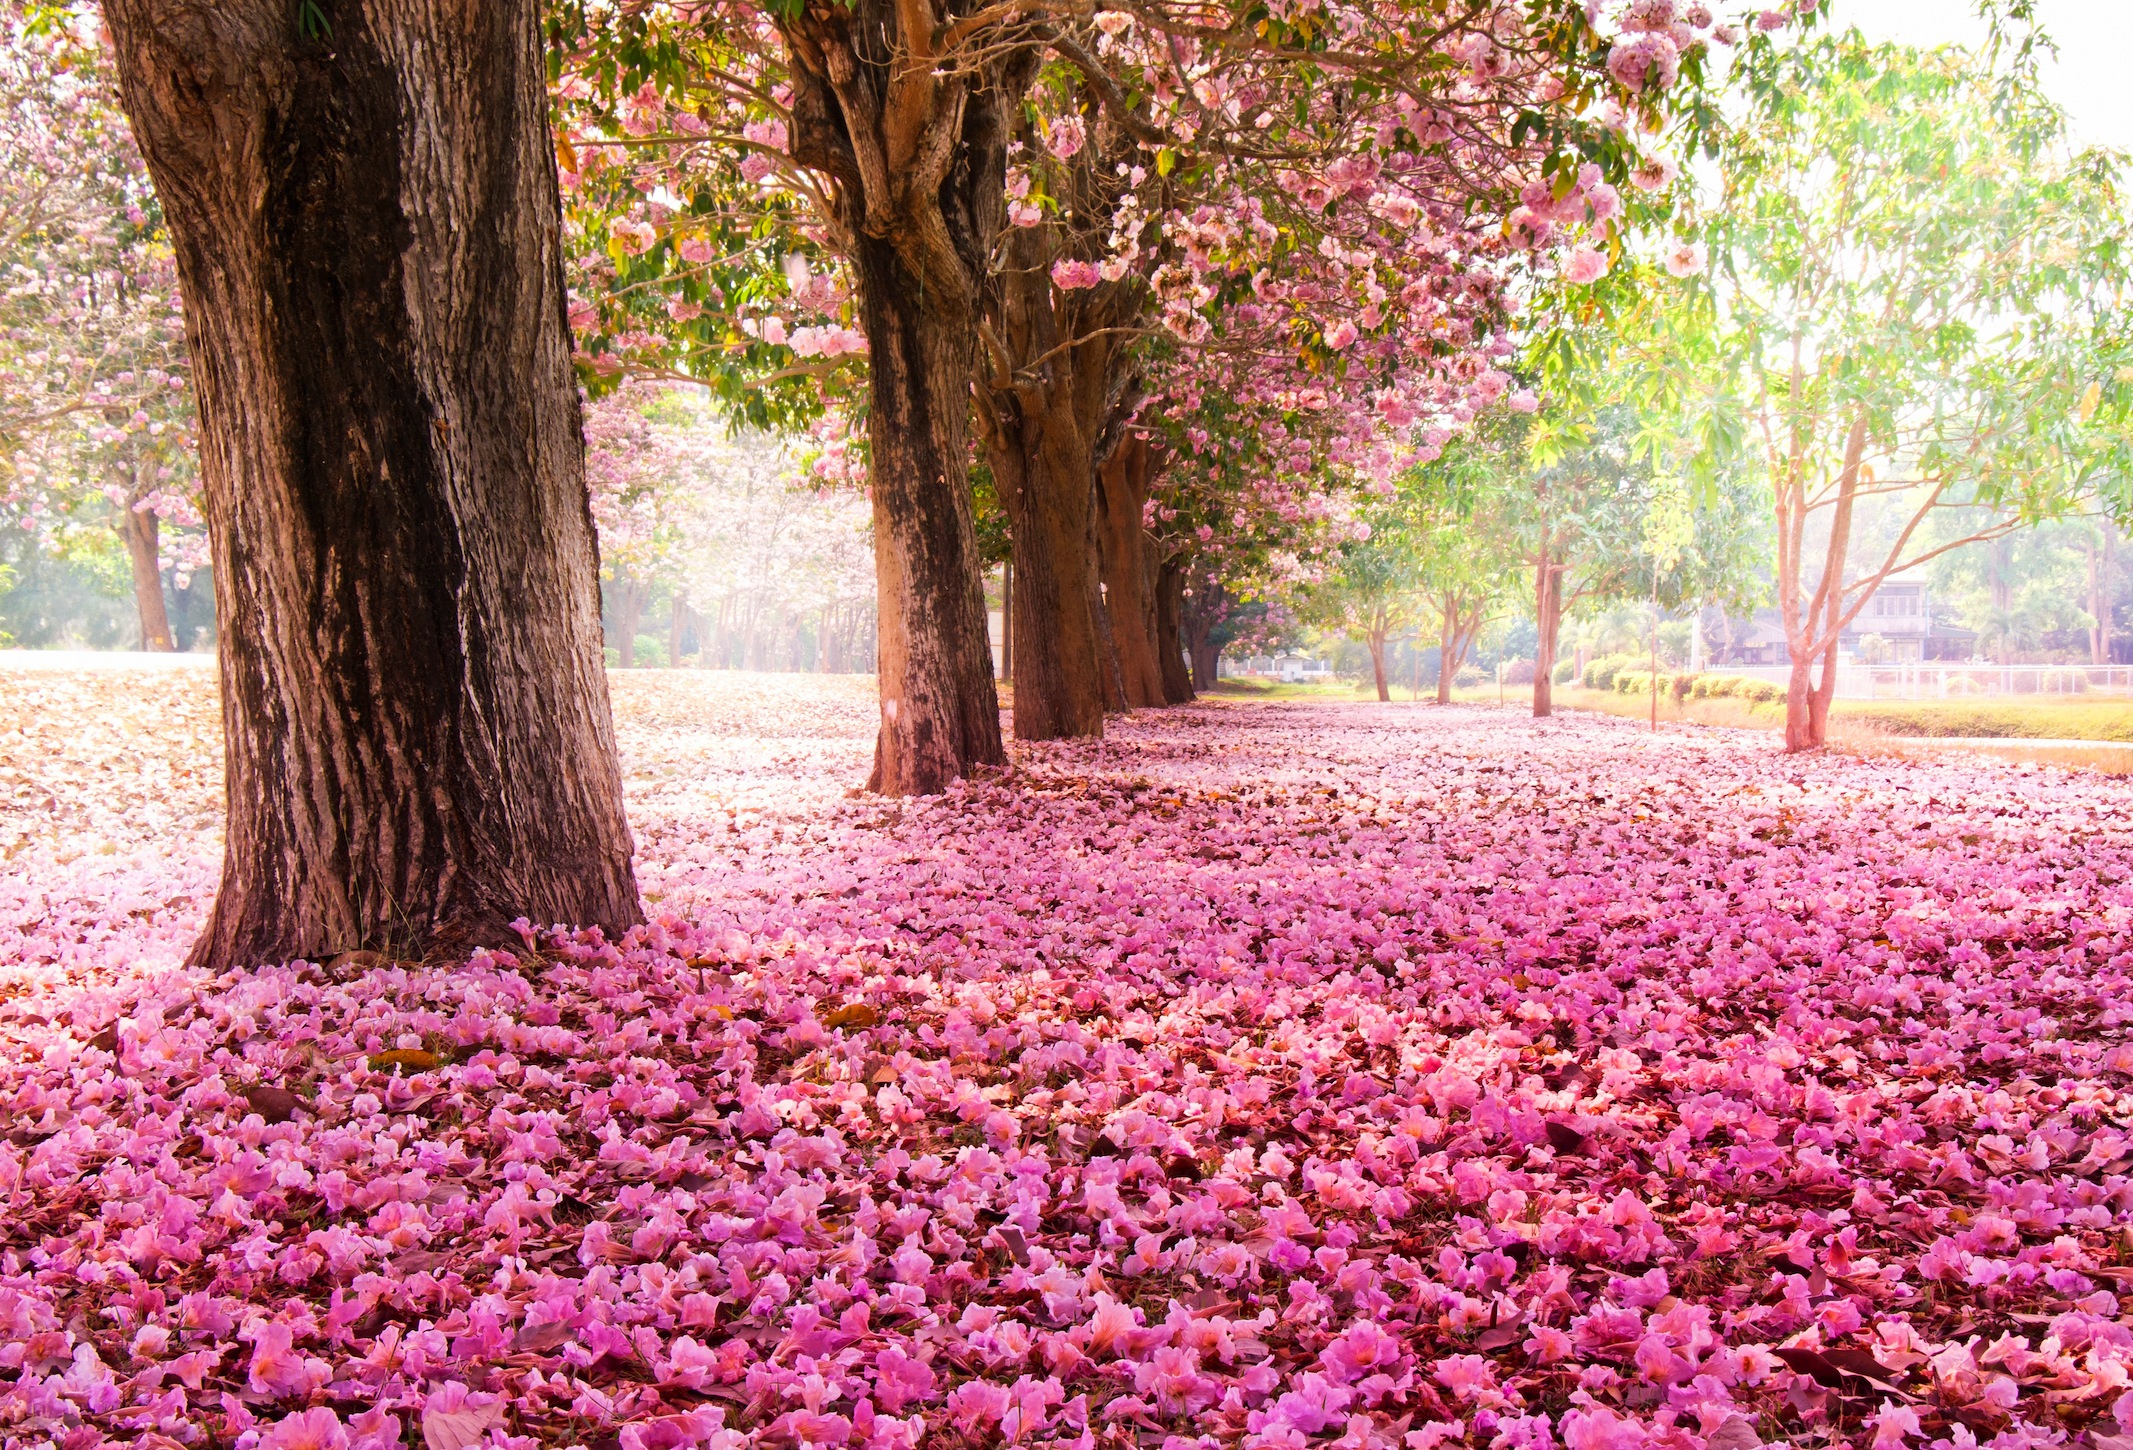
pixel 1917 296
pixel 96 409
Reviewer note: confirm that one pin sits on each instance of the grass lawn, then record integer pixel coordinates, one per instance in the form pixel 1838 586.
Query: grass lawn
pixel 1335 689
pixel 2110 720
pixel 2018 730
pixel 2088 734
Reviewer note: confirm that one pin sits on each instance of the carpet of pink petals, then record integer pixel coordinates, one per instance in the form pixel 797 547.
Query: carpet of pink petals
pixel 1269 1075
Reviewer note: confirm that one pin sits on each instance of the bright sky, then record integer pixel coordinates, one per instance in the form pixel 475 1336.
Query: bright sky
pixel 2089 78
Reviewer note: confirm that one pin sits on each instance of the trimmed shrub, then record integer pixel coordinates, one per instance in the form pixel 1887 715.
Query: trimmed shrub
pixel 1566 670
pixel 1466 677
pixel 1600 673
pixel 1518 672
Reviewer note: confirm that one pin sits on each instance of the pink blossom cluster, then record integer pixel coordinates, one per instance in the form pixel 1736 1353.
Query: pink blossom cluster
pixel 1264 1076
pixel 95 398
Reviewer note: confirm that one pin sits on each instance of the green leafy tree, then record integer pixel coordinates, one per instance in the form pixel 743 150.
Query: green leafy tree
pixel 1933 324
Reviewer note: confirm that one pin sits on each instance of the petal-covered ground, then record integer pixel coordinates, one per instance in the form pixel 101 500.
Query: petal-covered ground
pixel 1269 1076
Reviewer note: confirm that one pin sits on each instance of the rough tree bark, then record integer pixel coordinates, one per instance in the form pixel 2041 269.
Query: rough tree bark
pixel 367 229
pixel 1205 610
pixel 916 157
pixel 1122 493
pixel 1042 398
pixel 940 715
pixel 1043 469
pixel 140 529
pixel 1170 632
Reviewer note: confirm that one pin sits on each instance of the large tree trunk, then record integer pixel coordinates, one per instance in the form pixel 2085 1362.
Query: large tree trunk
pixel 141 530
pixel 940 714
pixel 1376 640
pixel 675 623
pixel 1041 404
pixel 1170 632
pixel 418 743
pixel 1548 617
pixel 1043 470
pixel 1205 609
pixel 1122 494
pixel 919 155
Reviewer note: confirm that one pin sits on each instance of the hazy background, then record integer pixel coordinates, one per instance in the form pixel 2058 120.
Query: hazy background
pixel 2088 77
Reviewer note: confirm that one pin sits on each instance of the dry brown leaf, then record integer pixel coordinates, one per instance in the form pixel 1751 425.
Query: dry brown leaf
pixel 461 1428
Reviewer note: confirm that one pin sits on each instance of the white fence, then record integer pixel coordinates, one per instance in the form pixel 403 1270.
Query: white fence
pixel 1955 681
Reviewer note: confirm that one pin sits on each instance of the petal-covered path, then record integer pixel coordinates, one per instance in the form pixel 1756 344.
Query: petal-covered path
pixel 1269 1075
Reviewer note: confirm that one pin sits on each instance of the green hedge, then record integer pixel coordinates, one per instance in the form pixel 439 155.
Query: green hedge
pixel 1600 673
pixel 1723 687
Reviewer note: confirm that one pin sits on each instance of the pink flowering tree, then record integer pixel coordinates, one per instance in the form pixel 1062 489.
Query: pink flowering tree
pixel 95 406
pixel 1081 181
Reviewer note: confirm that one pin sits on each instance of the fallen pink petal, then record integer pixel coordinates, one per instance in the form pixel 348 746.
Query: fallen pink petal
pixel 1205 1092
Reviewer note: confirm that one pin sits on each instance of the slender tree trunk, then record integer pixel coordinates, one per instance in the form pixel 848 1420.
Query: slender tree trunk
pixel 631 607
pixel 940 715
pixel 1447 642
pixel 1806 634
pixel 1170 632
pixel 418 744
pixel 2108 570
pixel 1548 619
pixel 141 530
pixel 1007 620
pixel 2100 596
pixel 1107 663
pixel 1122 493
pixel 1376 640
pixel 675 624
pixel 2000 579
pixel 1469 627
